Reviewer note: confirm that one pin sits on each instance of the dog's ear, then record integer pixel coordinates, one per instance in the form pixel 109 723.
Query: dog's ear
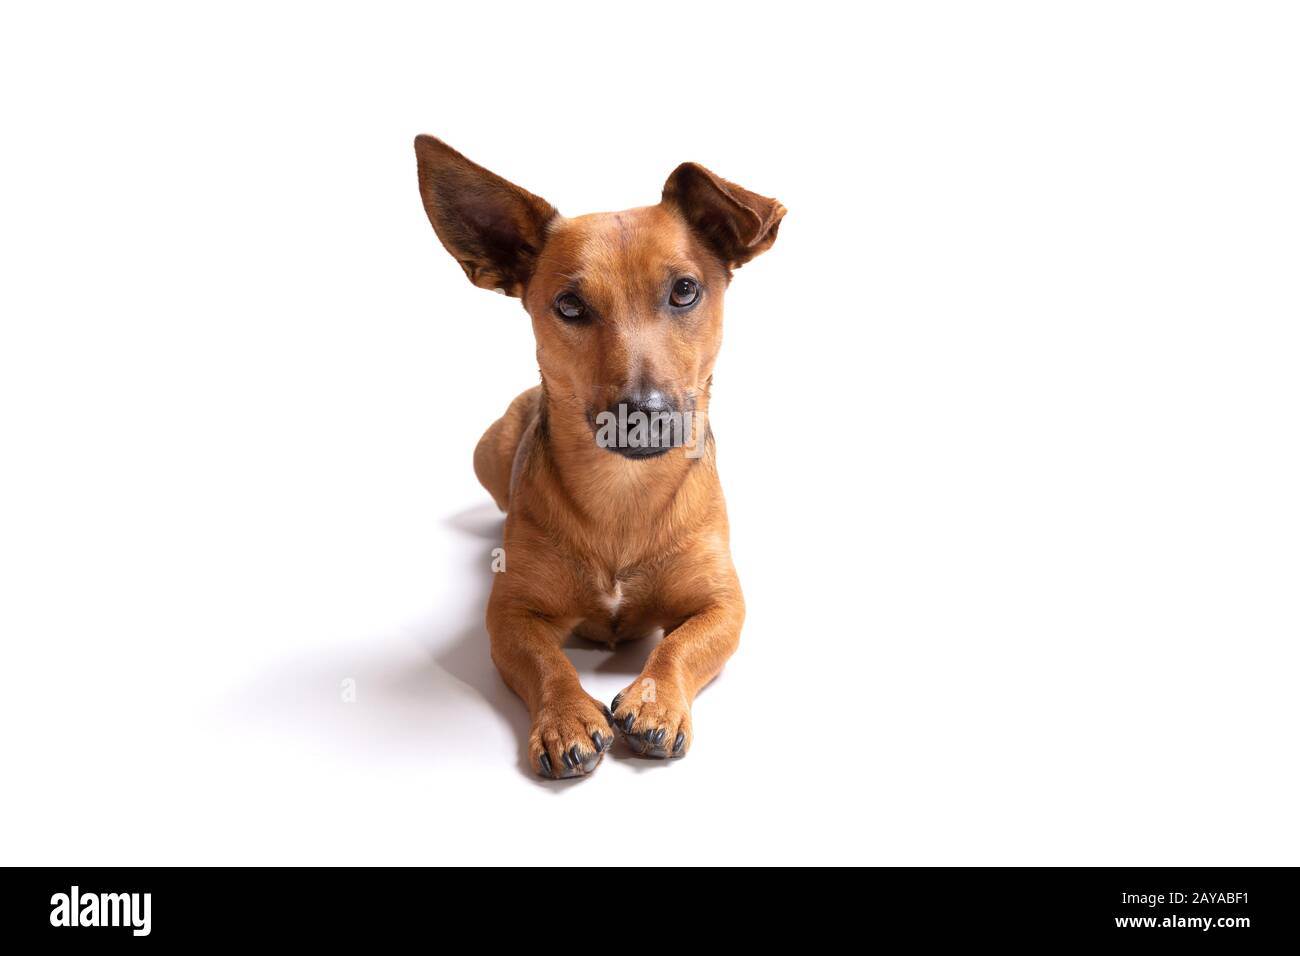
pixel 734 222
pixel 493 228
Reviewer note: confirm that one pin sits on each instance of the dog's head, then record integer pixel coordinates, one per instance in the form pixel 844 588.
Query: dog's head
pixel 626 306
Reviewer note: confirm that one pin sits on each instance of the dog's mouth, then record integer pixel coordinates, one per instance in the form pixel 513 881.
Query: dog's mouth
pixel 648 451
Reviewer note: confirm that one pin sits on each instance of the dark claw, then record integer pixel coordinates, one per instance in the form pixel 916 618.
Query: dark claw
pixel 609 717
pixel 650 743
pixel 599 741
pixel 618 699
pixel 679 743
pixel 575 757
pixel 545 761
pixel 628 721
pixel 568 761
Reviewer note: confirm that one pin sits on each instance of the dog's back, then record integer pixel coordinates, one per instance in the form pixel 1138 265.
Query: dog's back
pixel 505 444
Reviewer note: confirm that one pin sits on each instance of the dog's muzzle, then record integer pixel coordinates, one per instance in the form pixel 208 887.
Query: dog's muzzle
pixel 642 424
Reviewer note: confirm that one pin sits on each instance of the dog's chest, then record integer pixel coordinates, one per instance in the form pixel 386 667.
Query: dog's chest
pixel 617 611
pixel 614 599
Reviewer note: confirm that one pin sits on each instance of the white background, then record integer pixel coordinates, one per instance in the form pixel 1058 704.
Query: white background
pixel 1007 426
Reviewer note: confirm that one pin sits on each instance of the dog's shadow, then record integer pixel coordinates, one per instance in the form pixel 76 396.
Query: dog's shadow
pixel 467 657
pixel 417 690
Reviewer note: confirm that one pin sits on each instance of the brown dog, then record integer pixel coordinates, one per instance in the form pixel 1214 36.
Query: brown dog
pixel 611 533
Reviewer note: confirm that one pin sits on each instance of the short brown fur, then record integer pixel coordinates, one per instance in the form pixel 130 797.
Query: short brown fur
pixel 603 546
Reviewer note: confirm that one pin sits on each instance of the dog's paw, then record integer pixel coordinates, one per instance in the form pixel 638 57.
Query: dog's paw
pixel 569 738
pixel 652 724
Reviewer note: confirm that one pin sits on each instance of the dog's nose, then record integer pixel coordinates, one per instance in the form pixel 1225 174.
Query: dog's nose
pixel 643 424
pixel 648 402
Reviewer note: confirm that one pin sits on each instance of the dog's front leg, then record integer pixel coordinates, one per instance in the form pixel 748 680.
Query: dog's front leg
pixel 570 729
pixel 654 711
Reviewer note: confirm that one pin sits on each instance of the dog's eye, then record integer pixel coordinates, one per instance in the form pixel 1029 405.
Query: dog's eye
pixel 685 292
pixel 570 307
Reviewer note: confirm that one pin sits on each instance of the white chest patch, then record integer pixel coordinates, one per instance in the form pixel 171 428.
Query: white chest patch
pixel 614 598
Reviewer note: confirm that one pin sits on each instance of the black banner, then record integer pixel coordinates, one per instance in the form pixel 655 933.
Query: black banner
pixel 1228 908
